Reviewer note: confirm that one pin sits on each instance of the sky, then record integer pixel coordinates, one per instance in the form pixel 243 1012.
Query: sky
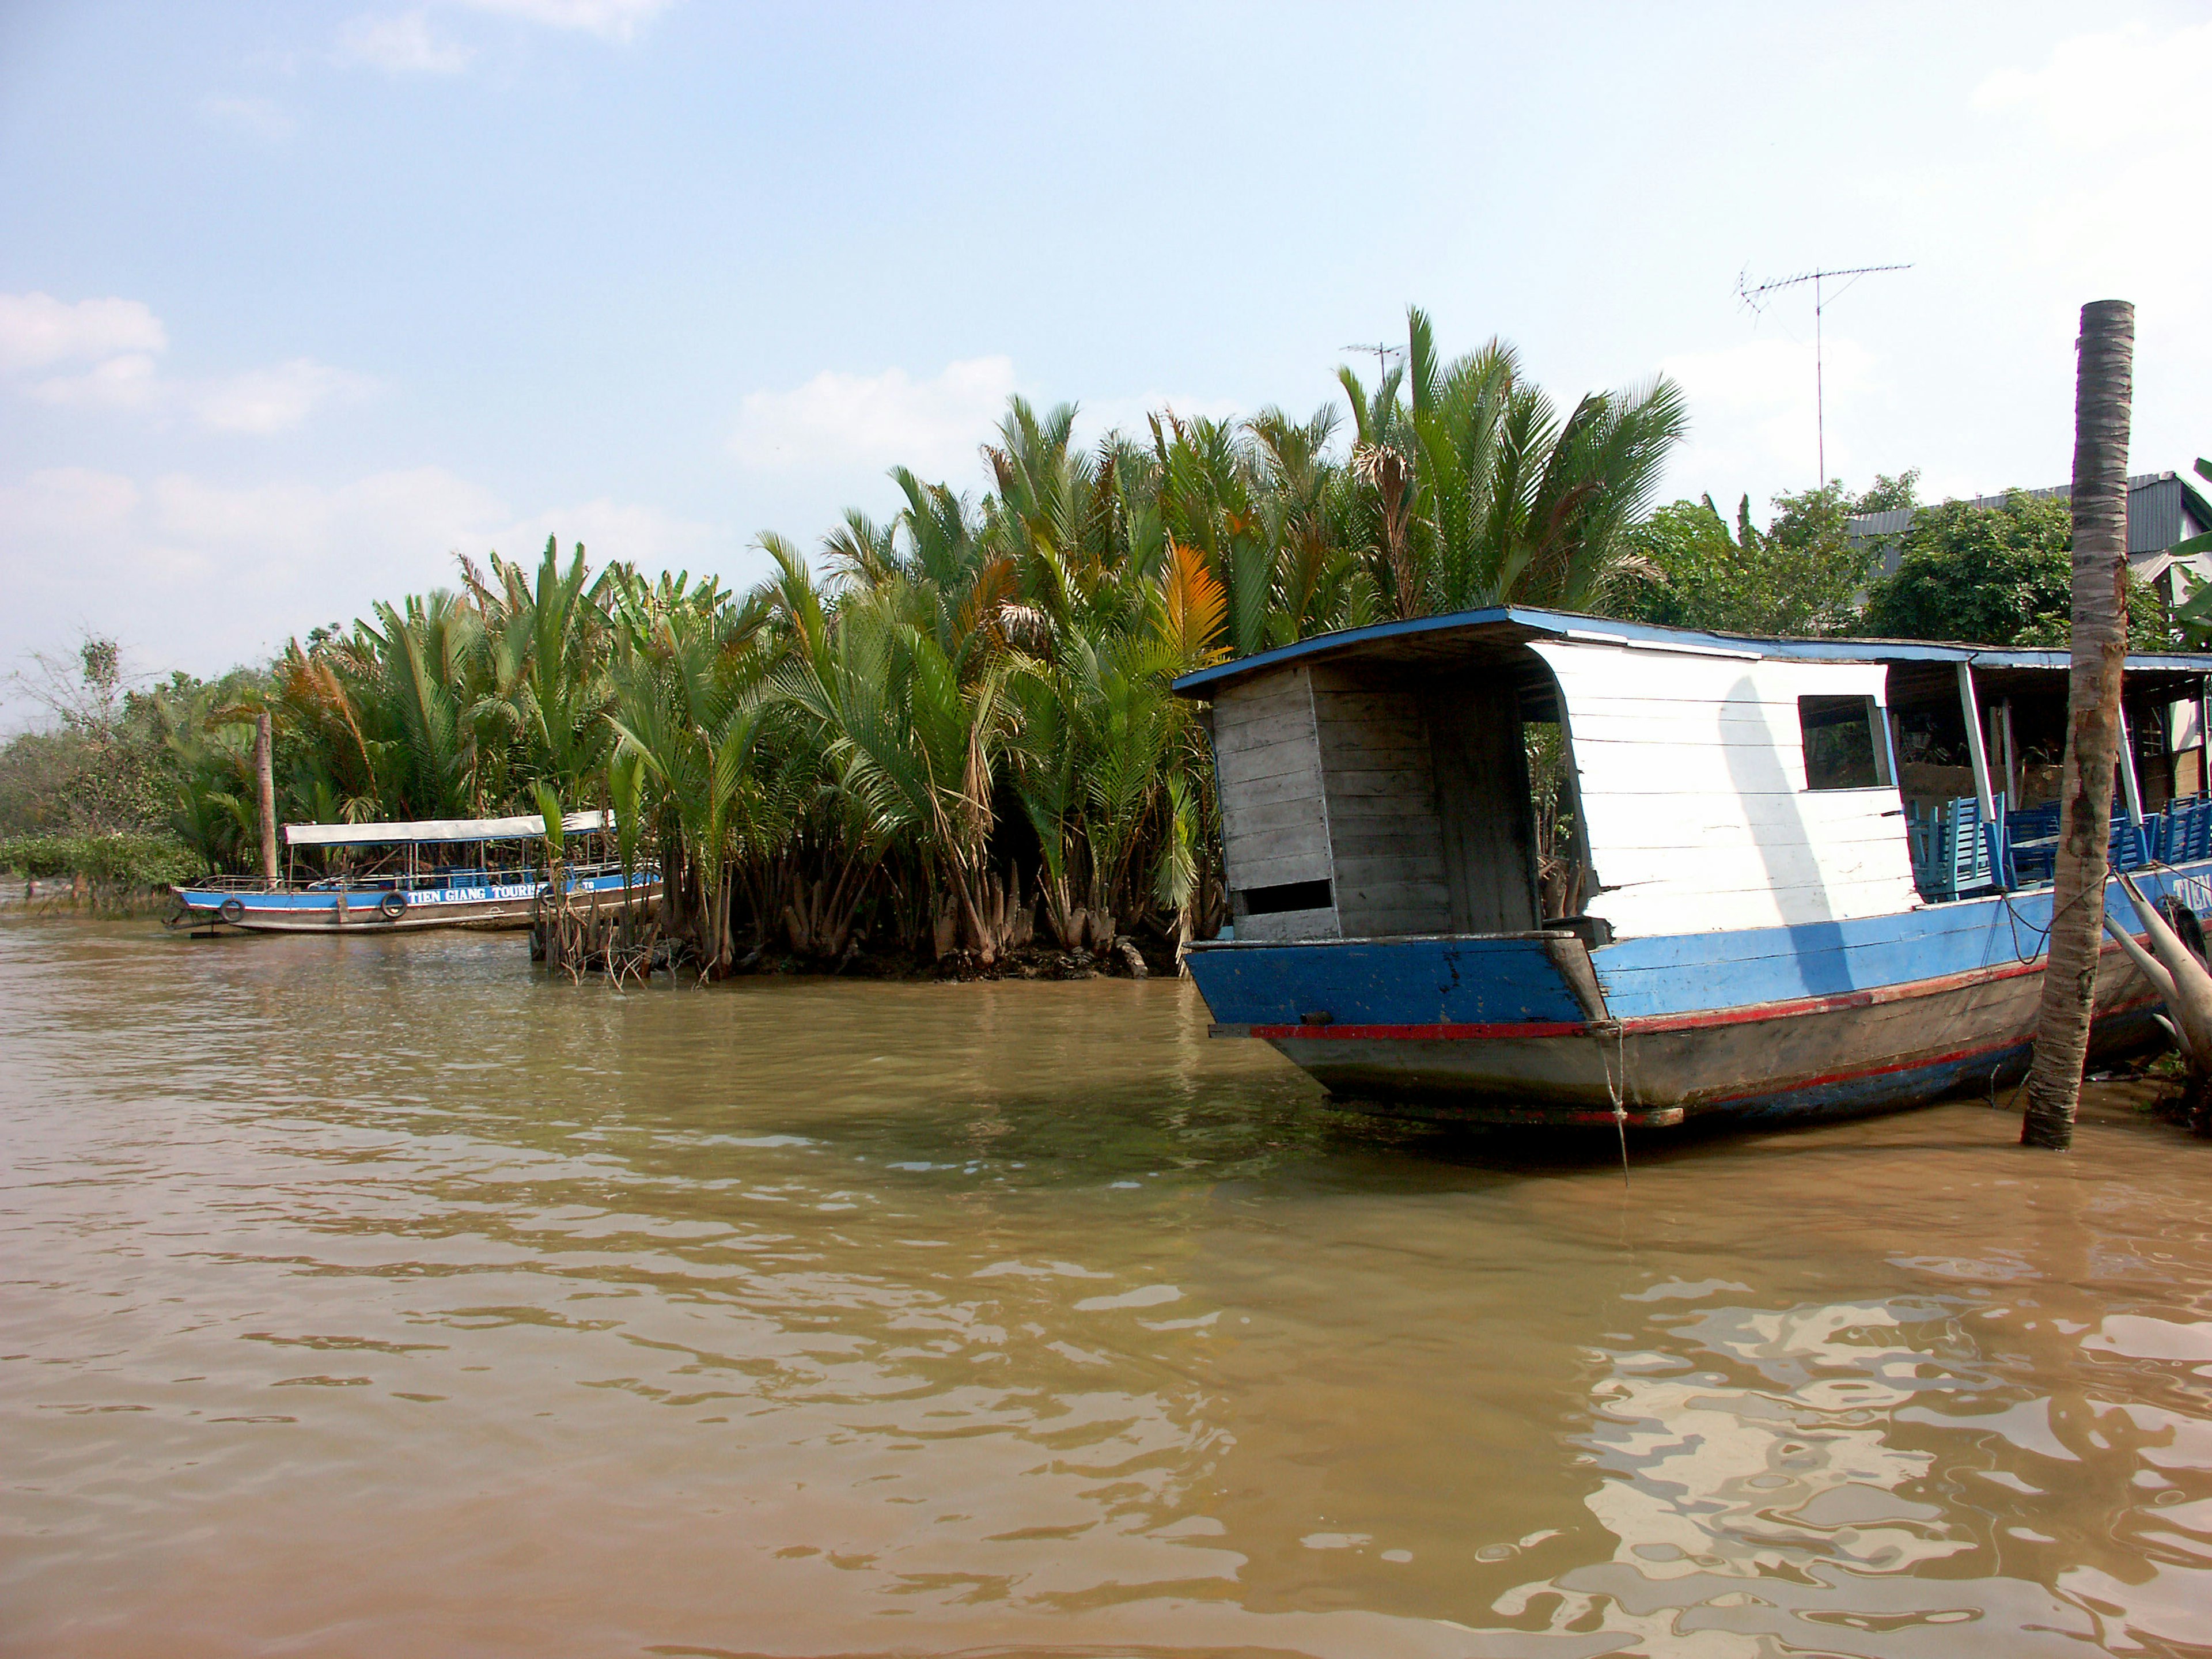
pixel 298 302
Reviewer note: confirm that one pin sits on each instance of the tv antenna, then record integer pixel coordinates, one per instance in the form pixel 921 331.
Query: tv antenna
pixel 1382 356
pixel 1755 300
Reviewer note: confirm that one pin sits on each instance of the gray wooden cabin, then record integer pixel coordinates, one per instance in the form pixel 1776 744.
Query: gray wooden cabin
pixel 1362 800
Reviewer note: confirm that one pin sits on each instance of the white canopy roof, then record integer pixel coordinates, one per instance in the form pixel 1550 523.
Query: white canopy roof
pixel 528 827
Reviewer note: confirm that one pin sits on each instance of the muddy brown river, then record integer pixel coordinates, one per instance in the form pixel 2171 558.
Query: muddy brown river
pixel 378 1297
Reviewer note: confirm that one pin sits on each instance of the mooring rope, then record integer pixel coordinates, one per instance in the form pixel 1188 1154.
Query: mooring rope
pixel 1615 1089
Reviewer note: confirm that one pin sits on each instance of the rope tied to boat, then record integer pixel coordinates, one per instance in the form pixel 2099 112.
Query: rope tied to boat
pixel 1615 1088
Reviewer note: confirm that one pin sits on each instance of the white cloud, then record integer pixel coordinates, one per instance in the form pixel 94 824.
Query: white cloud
pixel 1768 374
pixel 130 381
pixel 402 45
pixel 259 402
pixel 267 400
pixel 2105 130
pixel 2119 88
pixel 1752 413
pixel 189 572
pixel 257 118
pixel 615 19
pixel 66 501
pixel 611 530
pixel 37 330
pixel 121 336
pixel 867 423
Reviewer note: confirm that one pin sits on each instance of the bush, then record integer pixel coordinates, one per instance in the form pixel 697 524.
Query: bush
pixel 1995 575
pixel 132 861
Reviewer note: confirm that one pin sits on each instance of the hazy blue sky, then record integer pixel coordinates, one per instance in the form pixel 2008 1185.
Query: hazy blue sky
pixel 296 301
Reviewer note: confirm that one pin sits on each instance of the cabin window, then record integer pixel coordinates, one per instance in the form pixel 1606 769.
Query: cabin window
pixel 1844 744
pixel 1288 897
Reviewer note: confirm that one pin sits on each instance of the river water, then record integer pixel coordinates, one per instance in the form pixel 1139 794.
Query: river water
pixel 384 1296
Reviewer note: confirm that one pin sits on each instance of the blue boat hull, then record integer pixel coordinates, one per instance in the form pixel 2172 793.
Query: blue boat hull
pixel 311 910
pixel 1815 1020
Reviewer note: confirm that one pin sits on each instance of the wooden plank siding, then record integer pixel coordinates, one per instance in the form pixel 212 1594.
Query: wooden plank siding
pixel 1484 806
pixel 1379 777
pixel 1408 795
pixel 1274 820
pixel 1693 784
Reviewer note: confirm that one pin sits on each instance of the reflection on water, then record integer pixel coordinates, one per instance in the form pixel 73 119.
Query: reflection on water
pixel 373 1296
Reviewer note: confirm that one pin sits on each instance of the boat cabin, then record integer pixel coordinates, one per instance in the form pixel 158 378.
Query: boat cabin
pixel 436 853
pixel 1511 770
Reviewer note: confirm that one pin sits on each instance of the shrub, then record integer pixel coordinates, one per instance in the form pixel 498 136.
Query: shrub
pixel 128 862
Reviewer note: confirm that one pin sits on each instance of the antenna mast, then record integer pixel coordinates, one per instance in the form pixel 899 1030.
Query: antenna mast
pixel 1755 300
pixel 1382 356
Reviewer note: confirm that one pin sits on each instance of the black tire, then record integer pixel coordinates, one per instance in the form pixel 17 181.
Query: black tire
pixel 231 910
pixel 392 906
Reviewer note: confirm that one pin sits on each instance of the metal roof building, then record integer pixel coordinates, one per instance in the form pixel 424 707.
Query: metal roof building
pixel 2163 509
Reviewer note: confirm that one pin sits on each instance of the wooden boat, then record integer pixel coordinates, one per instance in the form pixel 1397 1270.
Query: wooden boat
pixel 449 872
pixel 1773 891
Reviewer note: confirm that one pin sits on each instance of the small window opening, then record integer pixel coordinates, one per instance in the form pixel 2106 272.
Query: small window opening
pixel 1844 746
pixel 1289 896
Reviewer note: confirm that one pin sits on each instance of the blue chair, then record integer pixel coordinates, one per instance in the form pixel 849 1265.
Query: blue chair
pixel 1954 851
pixel 2187 831
pixel 2130 844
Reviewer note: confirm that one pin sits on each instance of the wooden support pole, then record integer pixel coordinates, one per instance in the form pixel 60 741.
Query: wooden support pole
pixel 1984 797
pixel 264 768
pixel 2205 739
pixel 2130 786
pixel 1976 752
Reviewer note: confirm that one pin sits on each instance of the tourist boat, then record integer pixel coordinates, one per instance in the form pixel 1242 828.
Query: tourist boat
pixel 1767 879
pixel 447 872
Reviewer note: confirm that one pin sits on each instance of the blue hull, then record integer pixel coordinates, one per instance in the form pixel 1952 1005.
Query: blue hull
pixel 311 910
pixel 1819 1019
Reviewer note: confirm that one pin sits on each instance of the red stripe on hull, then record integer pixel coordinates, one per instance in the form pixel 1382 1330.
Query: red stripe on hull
pixel 1750 1013
pixel 1923 1062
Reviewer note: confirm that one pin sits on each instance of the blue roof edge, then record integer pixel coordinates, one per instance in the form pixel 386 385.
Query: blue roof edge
pixel 1565 624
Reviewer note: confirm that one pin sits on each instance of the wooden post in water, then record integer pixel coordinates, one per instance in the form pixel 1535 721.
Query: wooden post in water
pixel 264 768
pixel 2104 382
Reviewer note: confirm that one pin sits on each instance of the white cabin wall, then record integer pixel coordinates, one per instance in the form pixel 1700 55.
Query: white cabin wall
pixel 1275 821
pixel 1691 773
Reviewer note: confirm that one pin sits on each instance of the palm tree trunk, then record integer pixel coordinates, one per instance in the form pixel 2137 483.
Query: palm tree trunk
pixel 2103 388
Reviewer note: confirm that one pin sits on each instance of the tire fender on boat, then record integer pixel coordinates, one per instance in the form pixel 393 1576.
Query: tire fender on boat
pixel 231 910
pixel 393 905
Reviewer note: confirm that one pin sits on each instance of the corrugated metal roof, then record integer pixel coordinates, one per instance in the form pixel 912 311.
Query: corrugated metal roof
pixel 2163 509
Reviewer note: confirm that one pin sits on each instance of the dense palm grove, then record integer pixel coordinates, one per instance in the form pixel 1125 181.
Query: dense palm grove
pixel 946 729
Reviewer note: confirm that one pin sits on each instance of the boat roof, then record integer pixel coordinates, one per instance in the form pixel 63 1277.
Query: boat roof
pixel 1470 637
pixel 527 827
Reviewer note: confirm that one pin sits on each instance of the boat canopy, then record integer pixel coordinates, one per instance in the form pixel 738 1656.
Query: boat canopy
pixel 528 826
pixel 1470 638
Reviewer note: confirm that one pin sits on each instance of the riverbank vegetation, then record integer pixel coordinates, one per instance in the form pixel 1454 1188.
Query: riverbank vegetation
pixel 949 734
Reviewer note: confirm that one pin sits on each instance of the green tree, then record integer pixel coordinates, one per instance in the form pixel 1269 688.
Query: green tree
pixel 1992 575
pixel 1484 496
pixel 1802 574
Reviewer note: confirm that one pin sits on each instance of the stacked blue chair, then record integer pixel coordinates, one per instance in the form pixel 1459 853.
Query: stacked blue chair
pixel 2033 823
pixel 1952 851
pixel 2186 832
pixel 1918 826
pixel 2131 843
